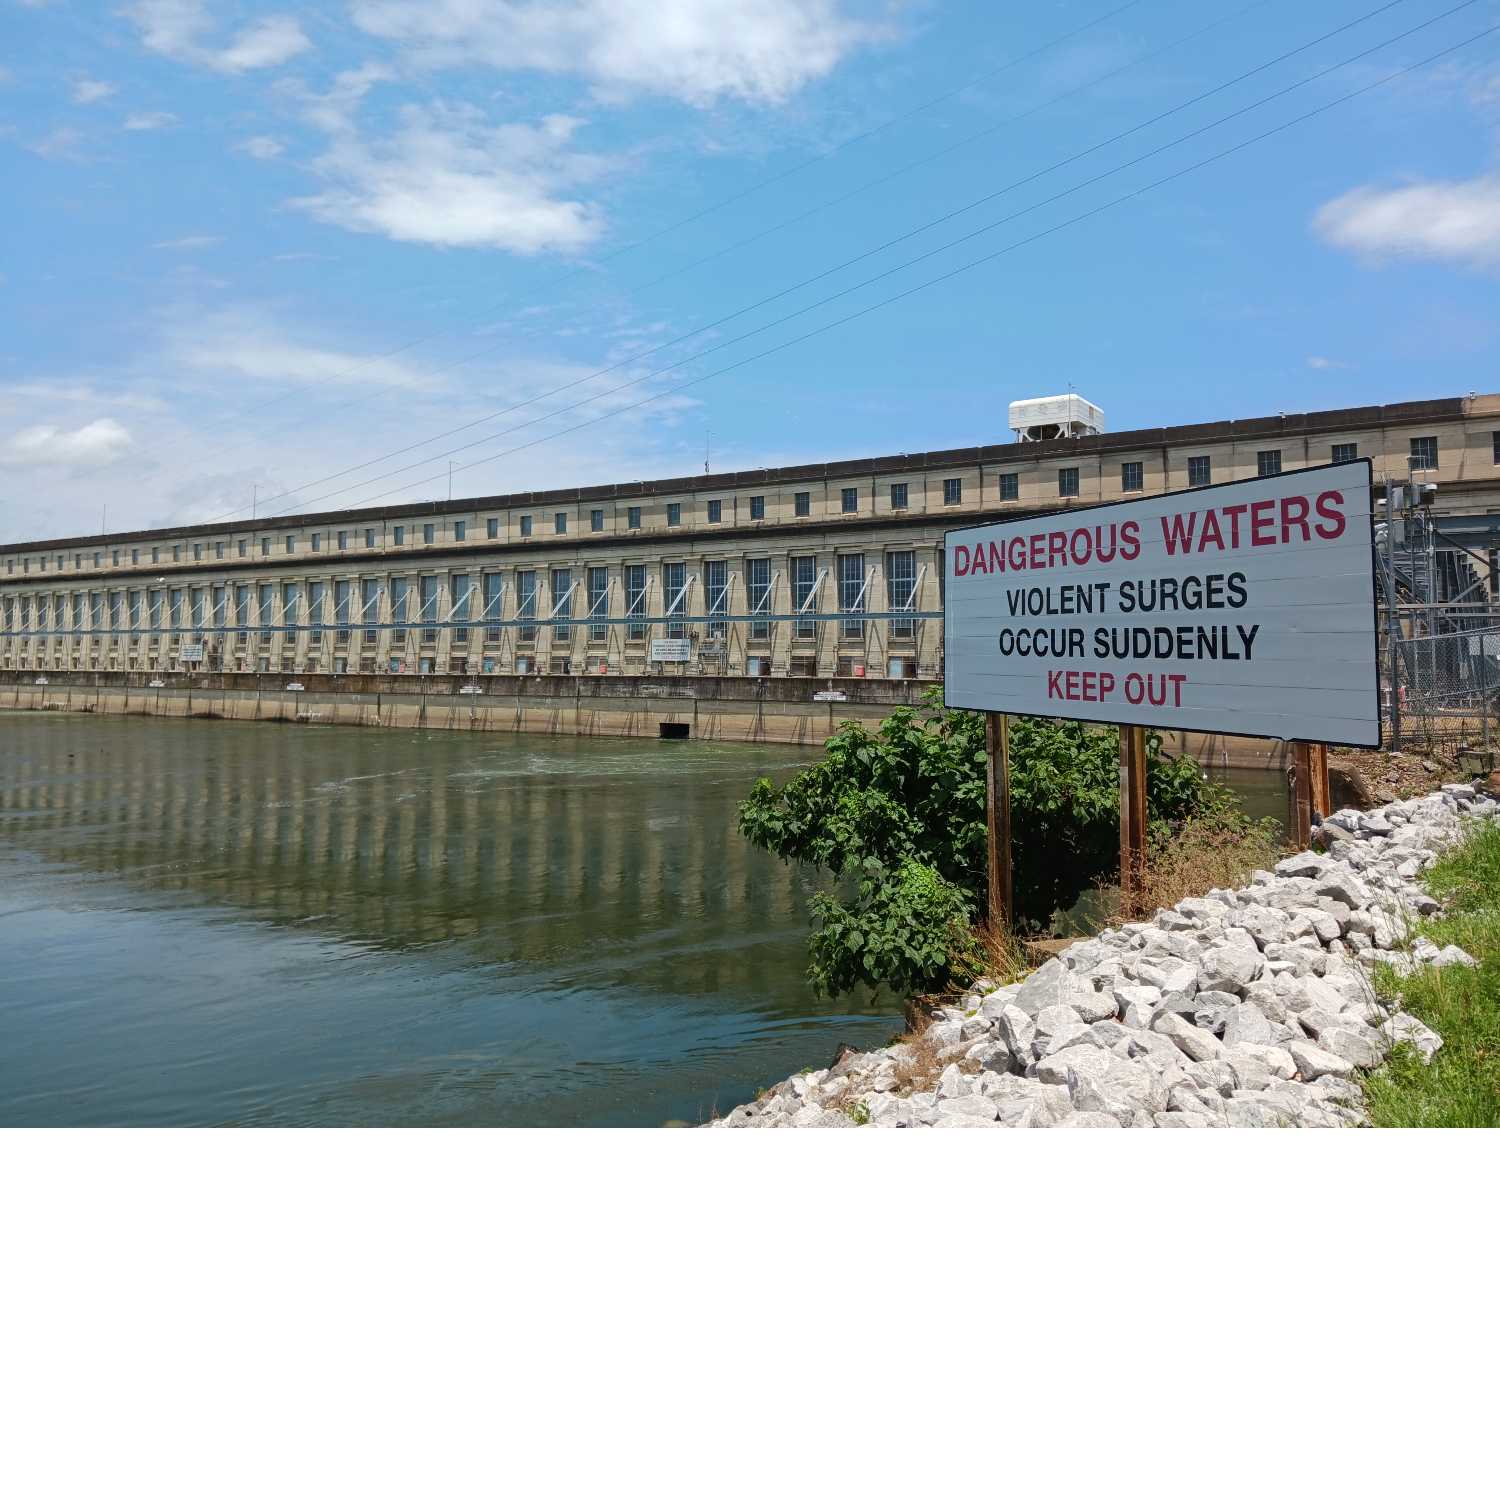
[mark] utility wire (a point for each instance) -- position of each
(734, 245)
(981, 260)
(666, 229)
(858, 286)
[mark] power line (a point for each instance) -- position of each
(979, 261)
(671, 228)
(726, 250)
(903, 265)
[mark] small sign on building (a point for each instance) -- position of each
(671, 650)
(191, 653)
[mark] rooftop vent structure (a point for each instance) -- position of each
(1046, 418)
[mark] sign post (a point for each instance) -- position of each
(1132, 815)
(997, 818)
(1244, 608)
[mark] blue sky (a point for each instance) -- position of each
(250, 247)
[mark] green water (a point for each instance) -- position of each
(260, 924)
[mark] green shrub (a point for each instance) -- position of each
(900, 813)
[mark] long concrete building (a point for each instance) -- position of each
(821, 570)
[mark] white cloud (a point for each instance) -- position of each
(261, 147)
(73, 393)
(151, 119)
(696, 50)
(1322, 362)
(448, 177)
(1442, 221)
(60, 145)
(91, 91)
(246, 343)
(190, 242)
(177, 28)
(98, 442)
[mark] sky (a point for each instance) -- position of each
(299, 258)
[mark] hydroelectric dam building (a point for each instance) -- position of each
(708, 588)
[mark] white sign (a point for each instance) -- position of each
(671, 650)
(190, 653)
(1244, 608)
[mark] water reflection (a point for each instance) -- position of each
(341, 925)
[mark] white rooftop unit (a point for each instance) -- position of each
(1044, 418)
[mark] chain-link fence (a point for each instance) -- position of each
(1439, 640)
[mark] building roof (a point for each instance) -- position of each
(1284, 425)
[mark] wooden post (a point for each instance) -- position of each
(1322, 795)
(1301, 793)
(997, 818)
(1132, 815)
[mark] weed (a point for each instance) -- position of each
(858, 1111)
(1460, 1087)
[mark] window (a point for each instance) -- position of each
(427, 607)
(1199, 471)
(802, 503)
(241, 547)
(1345, 453)
(562, 604)
(428, 533)
(715, 512)
(898, 497)
(135, 556)
(758, 590)
(265, 546)
(114, 558)
(560, 522)
(633, 518)
(460, 530)
(1067, 483)
(176, 554)
(155, 555)
(197, 552)
(674, 592)
(1268, 462)
(399, 592)
(635, 600)
(98, 557)
(596, 519)
(953, 491)
(1495, 438)
(1010, 486)
(494, 595)
(525, 525)
(492, 528)
(848, 502)
(804, 580)
(716, 596)
(598, 597)
(1132, 476)
(369, 609)
(758, 502)
(851, 595)
(343, 541)
(399, 535)
(291, 544)
(1424, 453)
(317, 541)
(369, 536)
(674, 514)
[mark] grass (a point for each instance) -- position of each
(1207, 854)
(1460, 1088)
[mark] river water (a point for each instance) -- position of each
(261, 924)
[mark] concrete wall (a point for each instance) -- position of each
(770, 710)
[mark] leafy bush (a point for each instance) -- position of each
(900, 812)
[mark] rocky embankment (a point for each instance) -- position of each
(1251, 1007)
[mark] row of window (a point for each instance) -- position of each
(267, 604)
(1423, 456)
